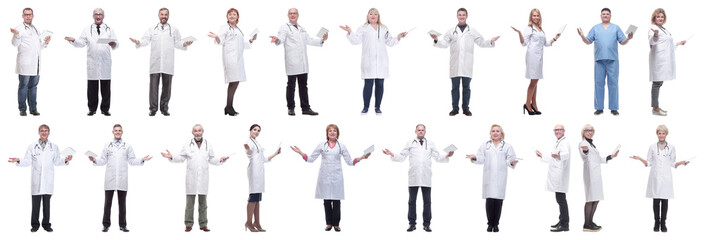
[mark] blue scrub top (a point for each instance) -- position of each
(606, 41)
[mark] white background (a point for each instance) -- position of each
(417, 92)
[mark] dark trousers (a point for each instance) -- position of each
(122, 204)
(466, 92)
(412, 196)
(46, 207)
(378, 84)
(332, 212)
(493, 211)
(660, 216)
(302, 91)
(564, 212)
(154, 103)
(93, 95)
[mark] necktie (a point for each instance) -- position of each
(421, 142)
(295, 25)
(98, 28)
(162, 27)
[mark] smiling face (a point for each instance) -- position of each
(660, 19)
(461, 18)
(535, 18)
(373, 16)
(293, 15)
(117, 132)
(559, 131)
(163, 16)
(332, 132)
(197, 132)
(27, 16)
(497, 134)
(589, 133)
(662, 135)
(605, 16)
(233, 17)
(254, 133)
(43, 133)
(98, 16)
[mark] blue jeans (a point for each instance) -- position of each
(27, 92)
(378, 93)
(603, 70)
(466, 92)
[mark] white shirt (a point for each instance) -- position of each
(295, 40)
(461, 45)
(197, 175)
(662, 55)
(99, 59)
(164, 39)
(117, 157)
(536, 41)
(233, 44)
(331, 184)
(420, 172)
(42, 162)
(375, 60)
(496, 160)
(661, 163)
(593, 188)
(559, 169)
(255, 169)
(29, 47)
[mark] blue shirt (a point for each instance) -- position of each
(606, 41)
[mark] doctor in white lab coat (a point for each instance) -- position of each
(593, 188)
(116, 155)
(661, 159)
(419, 152)
(99, 60)
(295, 40)
(558, 180)
(461, 40)
(42, 156)
(198, 153)
(164, 38)
(661, 57)
(27, 38)
(233, 42)
(374, 37)
(331, 184)
(496, 155)
(256, 177)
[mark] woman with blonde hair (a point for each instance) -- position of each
(661, 57)
(593, 187)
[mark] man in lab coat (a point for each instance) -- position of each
(116, 155)
(28, 40)
(461, 40)
(43, 156)
(99, 60)
(199, 153)
(164, 38)
(559, 176)
(295, 39)
(419, 151)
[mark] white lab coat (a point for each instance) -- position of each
(593, 188)
(255, 169)
(420, 172)
(116, 158)
(42, 162)
(29, 49)
(559, 168)
(462, 49)
(375, 59)
(233, 43)
(661, 163)
(536, 41)
(496, 161)
(331, 184)
(662, 55)
(197, 175)
(163, 41)
(99, 59)
(295, 42)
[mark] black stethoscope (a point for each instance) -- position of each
(238, 29)
(169, 25)
(558, 142)
(300, 28)
(337, 144)
(255, 143)
(26, 27)
(107, 28)
(501, 146)
(424, 140)
(193, 142)
(456, 27)
(667, 152)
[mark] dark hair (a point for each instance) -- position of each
(255, 125)
(162, 9)
(606, 9)
(44, 126)
(27, 9)
(116, 125)
(462, 10)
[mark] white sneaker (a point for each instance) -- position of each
(660, 113)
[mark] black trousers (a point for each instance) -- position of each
(564, 212)
(122, 204)
(332, 212)
(93, 95)
(46, 207)
(493, 211)
(302, 91)
(660, 215)
(154, 103)
(412, 196)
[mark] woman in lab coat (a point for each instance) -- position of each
(496, 156)
(534, 37)
(662, 57)
(255, 175)
(331, 185)
(233, 43)
(593, 189)
(661, 157)
(374, 37)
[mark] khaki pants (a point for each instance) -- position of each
(202, 210)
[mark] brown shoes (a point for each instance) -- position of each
(205, 229)
(189, 228)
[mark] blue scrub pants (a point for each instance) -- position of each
(602, 70)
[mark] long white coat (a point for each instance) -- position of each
(295, 42)
(593, 188)
(420, 172)
(255, 169)
(233, 43)
(375, 59)
(559, 168)
(197, 175)
(331, 184)
(99, 58)
(163, 41)
(117, 158)
(661, 163)
(536, 41)
(662, 55)
(462, 49)
(496, 161)
(42, 162)
(29, 49)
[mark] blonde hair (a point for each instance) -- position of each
(584, 129)
(378, 19)
(333, 126)
(662, 128)
(500, 129)
(655, 14)
(530, 19)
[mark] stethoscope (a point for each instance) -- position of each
(501, 146)
(169, 25)
(456, 27)
(254, 141)
(193, 142)
(238, 29)
(337, 144)
(107, 28)
(38, 147)
(424, 140)
(378, 31)
(667, 150)
(300, 28)
(26, 27)
(558, 142)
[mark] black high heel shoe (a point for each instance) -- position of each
(230, 111)
(535, 110)
(526, 109)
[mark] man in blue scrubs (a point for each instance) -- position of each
(605, 36)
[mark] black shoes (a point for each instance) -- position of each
(411, 228)
(598, 112)
(656, 228)
(535, 110)
(454, 112)
(230, 111)
(663, 228)
(49, 229)
(23, 113)
(337, 229)
(614, 112)
(427, 229)
(35, 113)
(492, 229)
(105, 229)
(152, 113)
(328, 228)
(293, 113)
(166, 113)
(33, 229)
(525, 108)
(91, 113)
(124, 229)
(312, 113)
(106, 113)
(561, 228)
(591, 227)
(466, 112)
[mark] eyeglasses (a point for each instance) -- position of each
(28, 15)
(98, 14)
(558, 129)
(589, 130)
